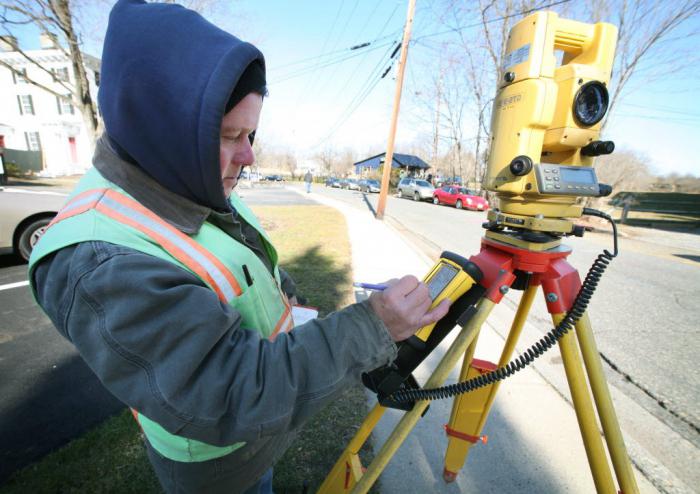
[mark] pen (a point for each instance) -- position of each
(371, 286)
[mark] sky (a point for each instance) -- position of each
(324, 95)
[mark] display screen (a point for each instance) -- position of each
(441, 279)
(578, 175)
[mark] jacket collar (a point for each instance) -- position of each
(185, 215)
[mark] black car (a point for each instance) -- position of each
(332, 182)
(274, 178)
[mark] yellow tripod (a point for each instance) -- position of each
(506, 261)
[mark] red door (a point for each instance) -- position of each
(73, 150)
(451, 196)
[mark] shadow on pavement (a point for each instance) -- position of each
(59, 405)
(369, 205)
(688, 257)
(11, 260)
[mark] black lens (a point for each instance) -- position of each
(591, 103)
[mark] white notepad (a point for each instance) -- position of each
(302, 314)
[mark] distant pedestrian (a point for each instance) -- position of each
(308, 178)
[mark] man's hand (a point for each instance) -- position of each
(403, 307)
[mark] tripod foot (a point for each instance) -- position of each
(448, 476)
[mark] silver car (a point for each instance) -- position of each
(415, 188)
(24, 216)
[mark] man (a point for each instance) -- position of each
(167, 285)
(308, 178)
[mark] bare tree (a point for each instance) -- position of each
(56, 19)
(646, 29)
(289, 162)
(327, 157)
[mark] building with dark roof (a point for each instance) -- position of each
(412, 164)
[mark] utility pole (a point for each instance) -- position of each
(389, 158)
(437, 118)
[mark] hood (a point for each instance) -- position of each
(167, 74)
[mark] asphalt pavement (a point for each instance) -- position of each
(49, 395)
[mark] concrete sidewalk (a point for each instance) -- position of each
(534, 441)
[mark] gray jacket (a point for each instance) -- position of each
(161, 342)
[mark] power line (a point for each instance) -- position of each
(371, 82)
(307, 70)
(357, 46)
(357, 67)
(496, 19)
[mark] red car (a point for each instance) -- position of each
(459, 197)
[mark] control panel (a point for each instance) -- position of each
(567, 180)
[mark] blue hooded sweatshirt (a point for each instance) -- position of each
(167, 74)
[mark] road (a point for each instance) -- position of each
(643, 312)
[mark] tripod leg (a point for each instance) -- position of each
(470, 411)
(585, 414)
(348, 469)
(409, 420)
(606, 411)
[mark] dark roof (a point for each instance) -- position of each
(398, 161)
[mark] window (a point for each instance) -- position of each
(21, 77)
(65, 107)
(60, 74)
(26, 105)
(33, 141)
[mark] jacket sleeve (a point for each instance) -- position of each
(164, 344)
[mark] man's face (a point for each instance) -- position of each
(235, 148)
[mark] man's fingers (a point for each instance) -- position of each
(436, 314)
(419, 296)
(405, 285)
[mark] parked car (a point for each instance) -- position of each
(24, 216)
(459, 197)
(332, 182)
(369, 185)
(343, 183)
(274, 178)
(349, 183)
(252, 176)
(415, 188)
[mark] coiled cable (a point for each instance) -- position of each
(578, 308)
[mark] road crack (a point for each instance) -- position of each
(651, 395)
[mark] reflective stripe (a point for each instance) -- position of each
(129, 212)
(79, 204)
(285, 323)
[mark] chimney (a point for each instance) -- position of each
(8, 43)
(48, 41)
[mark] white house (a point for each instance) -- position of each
(33, 119)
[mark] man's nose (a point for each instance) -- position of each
(246, 155)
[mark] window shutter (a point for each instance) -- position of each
(58, 105)
(19, 101)
(26, 138)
